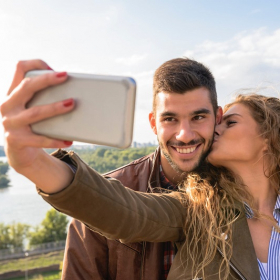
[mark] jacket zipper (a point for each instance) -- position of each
(233, 267)
(142, 260)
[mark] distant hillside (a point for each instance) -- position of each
(106, 159)
(2, 153)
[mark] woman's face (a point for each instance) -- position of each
(237, 140)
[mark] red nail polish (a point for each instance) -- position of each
(68, 102)
(61, 74)
(68, 143)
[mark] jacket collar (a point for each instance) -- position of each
(244, 258)
(154, 180)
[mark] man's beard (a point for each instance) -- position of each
(200, 160)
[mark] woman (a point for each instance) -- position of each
(225, 223)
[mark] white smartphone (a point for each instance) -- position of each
(103, 113)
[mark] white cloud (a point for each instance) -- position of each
(247, 60)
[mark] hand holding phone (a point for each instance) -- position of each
(23, 148)
(103, 114)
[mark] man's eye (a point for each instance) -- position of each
(199, 117)
(170, 119)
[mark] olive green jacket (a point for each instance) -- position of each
(107, 207)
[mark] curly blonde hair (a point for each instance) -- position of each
(215, 198)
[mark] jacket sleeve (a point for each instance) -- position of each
(106, 206)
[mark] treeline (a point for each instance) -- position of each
(17, 235)
(2, 152)
(107, 159)
(104, 159)
(4, 180)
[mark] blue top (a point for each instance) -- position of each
(272, 271)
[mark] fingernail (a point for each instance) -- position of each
(49, 68)
(68, 102)
(68, 143)
(61, 74)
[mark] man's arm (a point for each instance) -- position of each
(106, 206)
(23, 147)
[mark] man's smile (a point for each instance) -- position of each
(186, 150)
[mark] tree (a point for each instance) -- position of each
(18, 233)
(13, 236)
(5, 239)
(53, 228)
(106, 159)
(4, 167)
(4, 181)
(100, 152)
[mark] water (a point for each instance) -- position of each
(20, 202)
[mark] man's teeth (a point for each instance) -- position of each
(185, 151)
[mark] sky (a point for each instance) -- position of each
(238, 40)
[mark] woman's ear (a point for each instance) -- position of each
(265, 145)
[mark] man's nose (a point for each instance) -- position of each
(185, 133)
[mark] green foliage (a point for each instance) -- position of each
(106, 159)
(2, 152)
(4, 167)
(52, 228)
(18, 233)
(4, 181)
(13, 236)
(5, 238)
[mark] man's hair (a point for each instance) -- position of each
(183, 74)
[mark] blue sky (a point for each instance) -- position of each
(238, 40)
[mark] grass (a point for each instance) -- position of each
(52, 275)
(32, 262)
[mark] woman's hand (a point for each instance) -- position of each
(23, 147)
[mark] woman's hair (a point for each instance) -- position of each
(215, 198)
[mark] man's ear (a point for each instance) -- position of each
(219, 115)
(152, 121)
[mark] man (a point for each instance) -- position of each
(184, 123)
(183, 118)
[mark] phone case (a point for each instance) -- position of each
(103, 114)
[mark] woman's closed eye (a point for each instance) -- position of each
(230, 122)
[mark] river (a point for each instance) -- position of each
(20, 202)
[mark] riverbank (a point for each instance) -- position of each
(20, 202)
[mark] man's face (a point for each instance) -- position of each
(184, 125)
